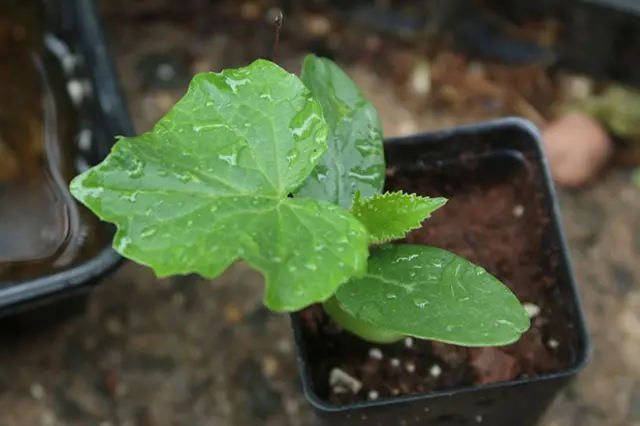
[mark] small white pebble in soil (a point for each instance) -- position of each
(84, 139)
(37, 391)
(395, 391)
(395, 362)
(421, 78)
(518, 210)
(375, 353)
(410, 367)
(270, 366)
(408, 342)
(532, 310)
(407, 127)
(340, 390)
(553, 343)
(283, 346)
(373, 395)
(318, 25)
(338, 377)
(435, 370)
(77, 90)
(165, 72)
(478, 418)
(48, 419)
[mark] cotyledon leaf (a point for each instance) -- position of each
(209, 185)
(354, 160)
(391, 215)
(433, 294)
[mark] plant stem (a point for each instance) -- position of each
(358, 327)
(277, 21)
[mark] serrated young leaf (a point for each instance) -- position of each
(354, 160)
(391, 215)
(209, 185)
(433, 294)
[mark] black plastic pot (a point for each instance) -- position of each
(599, 38)
(77, 23)
(499, 149)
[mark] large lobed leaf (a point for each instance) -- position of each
(391, 215)
(354, 160)
(433, 294)
(209, 185)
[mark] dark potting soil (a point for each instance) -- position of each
(496, 223)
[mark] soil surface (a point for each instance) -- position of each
(495, 220)
(192, 352)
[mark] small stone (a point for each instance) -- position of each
(478, 418)
(37, 391)
(85, 136)
(78, 90)
(249, 11)
(318, 25)
(532, 309)
(178, 300)
(410, 367)
(270, 366)
(395, 391)
(395, 362)
(164, 101)
(518, 210)
(407, 127)
(338, 377)
(232, 314)
(576, 86)
(435, 370)
(283, 346)
(553, 343)
(622, 278)
(373, 395)
(114, 326)
(338, 390)
(408, 342)
(577, 147)
(376, 353)
(48, 418)
(165, 72)
(493, 365)
(421, 78)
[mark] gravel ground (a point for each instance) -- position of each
(185, 351)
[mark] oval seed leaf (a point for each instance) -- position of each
(433, 294)
(354, 160)
(209, 185)
(391, 215)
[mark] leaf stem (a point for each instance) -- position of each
(277, 21)
(358, 327)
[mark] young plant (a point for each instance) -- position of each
(287, 174)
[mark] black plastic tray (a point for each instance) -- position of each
(498, 146)
(598, 38)
(78, 24)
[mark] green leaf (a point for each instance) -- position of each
(355, 158)
(433, 294)
(391, 215)
(209, 185)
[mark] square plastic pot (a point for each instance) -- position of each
(77, 24)
(499, 148)
(599, 38)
